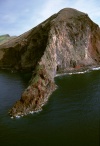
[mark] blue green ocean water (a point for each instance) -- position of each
(71, 116)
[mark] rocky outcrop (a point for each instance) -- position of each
(68, 40)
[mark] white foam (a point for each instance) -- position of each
(72, 73)
(80, 72)
(17, 116)
(96, 68)
(57, 75)
(69, 73)
(31, 112)
(37, 111)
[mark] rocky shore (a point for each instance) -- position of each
(67, 41)
(36, 95)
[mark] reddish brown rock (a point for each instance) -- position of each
(67, 40)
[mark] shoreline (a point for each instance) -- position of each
(79, 71)
(37, 110)
(45, 99)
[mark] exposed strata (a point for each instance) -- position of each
(67, 40)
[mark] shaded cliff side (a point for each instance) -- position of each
(66, 41)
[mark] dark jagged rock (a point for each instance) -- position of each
(68, 40)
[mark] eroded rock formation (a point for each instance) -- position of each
(66, 41)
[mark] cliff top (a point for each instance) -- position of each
(63, 15)
(68, 13)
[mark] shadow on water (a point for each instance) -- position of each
(70, 118)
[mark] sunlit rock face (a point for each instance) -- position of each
(75, 39)
(66, 41)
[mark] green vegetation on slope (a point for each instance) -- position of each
(5, 38)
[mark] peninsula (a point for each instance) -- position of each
(66, 41)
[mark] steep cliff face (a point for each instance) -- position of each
(67, 40)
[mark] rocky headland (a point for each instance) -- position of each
(67, 41)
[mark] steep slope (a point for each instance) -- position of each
(66, 41)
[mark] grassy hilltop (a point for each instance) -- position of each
(5, 38)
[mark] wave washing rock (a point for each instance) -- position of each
(68, 40)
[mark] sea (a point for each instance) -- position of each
(71, 117)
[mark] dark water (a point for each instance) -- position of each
(70, 118)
